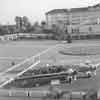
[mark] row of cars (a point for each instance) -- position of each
(54, 75)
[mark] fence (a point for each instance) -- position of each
(25, 36)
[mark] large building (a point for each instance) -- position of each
(89, 17)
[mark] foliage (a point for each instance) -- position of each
(58, 32)
(23, 24)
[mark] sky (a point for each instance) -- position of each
(35, 9)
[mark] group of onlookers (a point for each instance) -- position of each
(47, 70)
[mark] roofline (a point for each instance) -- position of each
(71, 10)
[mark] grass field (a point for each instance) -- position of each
(57, 58)
(20, 50)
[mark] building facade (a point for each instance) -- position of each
(85, 17)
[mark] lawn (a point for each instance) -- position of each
(55, 57)
(18, 51)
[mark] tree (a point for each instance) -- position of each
(69, 38)
(57, 32)
(18, 21)
(25, 20)
(43, 23)
(11, 30)
(26, 25)
(90, 29)
(44, 27)
(1, 30)
(36, 24)
(54, 30)
(37, 27)
(23, 24)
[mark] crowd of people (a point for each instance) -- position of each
(47, 70)
(31, 82)
(74, 74)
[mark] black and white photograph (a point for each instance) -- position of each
(49, 49)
